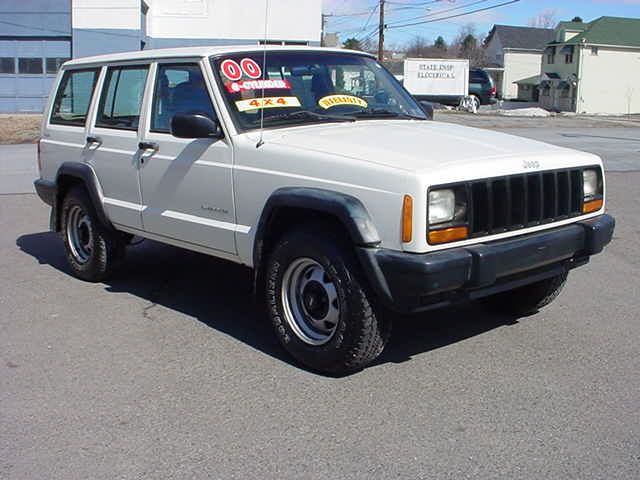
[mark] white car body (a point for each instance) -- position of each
(214, 203)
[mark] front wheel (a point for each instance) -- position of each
(529, 298)
(319, 305)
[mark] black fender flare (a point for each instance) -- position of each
(86, 175)
(348, 210)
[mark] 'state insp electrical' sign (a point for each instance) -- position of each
(436, 77)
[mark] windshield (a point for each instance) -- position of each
(310, 87)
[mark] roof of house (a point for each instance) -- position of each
(611, 31)
(535, 80)
(579, 26)
(525, 38)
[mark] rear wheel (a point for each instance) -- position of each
(319, 305)
(92, 251)
(527, 299)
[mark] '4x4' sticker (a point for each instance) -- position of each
(267, 102)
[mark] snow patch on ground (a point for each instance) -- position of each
(523, 112)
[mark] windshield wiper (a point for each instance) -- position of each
(308, 115)
(383, 113)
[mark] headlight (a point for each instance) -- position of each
(591, 183)
(442, 206)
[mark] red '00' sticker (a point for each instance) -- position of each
(250, 68)
(231, 70)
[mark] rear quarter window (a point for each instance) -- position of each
(73, 97)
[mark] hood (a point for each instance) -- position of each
(424, 145)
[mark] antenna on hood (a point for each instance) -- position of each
(264, 72)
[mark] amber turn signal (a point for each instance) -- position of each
(407, 219)
(448, 235)
(592, 206)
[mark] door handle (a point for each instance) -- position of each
(149, 146)
(91, 139)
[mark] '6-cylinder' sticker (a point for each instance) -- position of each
(267, 102)
(233, 71)
(242, 85)
(335, 100)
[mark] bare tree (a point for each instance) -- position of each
(545, 19)
(468, 44)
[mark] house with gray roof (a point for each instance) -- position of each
(593, 67)
(514, 53)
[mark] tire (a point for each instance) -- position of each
(318, 302)
(527, 299)
(92, 250)
(476, 102)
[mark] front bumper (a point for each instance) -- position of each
(409, 282)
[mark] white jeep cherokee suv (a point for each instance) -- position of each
(318, 170)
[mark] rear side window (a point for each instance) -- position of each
(121, 97)
(179, 88)
(73, 97)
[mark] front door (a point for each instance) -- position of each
(186, 183)
(112, 143)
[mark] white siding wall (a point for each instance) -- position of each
(610, 81)
(297, 20)
(518, 65)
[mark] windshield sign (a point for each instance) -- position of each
(310, 87)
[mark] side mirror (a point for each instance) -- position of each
(195, 125)
(427, 108)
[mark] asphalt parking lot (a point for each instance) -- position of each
(169, 370)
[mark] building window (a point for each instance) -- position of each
(594, 50)
(7, 65)
(551, 55)
(568, 53)
(31, 66)
(72, 100)
(122, 97)
(54, 64)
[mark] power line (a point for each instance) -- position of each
(440, 12)
(455, 16)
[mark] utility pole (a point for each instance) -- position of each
(324, 25)
(381, 32)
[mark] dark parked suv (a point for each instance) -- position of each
(481, 87)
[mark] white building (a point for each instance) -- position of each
(514, 53)
(593, 67)
(37, 35)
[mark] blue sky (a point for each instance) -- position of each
(516, 14)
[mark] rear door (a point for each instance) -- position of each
(112, 142)
(186, 183)
(64, 136)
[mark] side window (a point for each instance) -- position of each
(179, 88)
(73, 97)
(121, 97)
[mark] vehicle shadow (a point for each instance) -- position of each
(219, 294)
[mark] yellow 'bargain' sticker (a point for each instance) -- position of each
(267, 102)
(334, 100)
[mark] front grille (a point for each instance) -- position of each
(502, 204)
